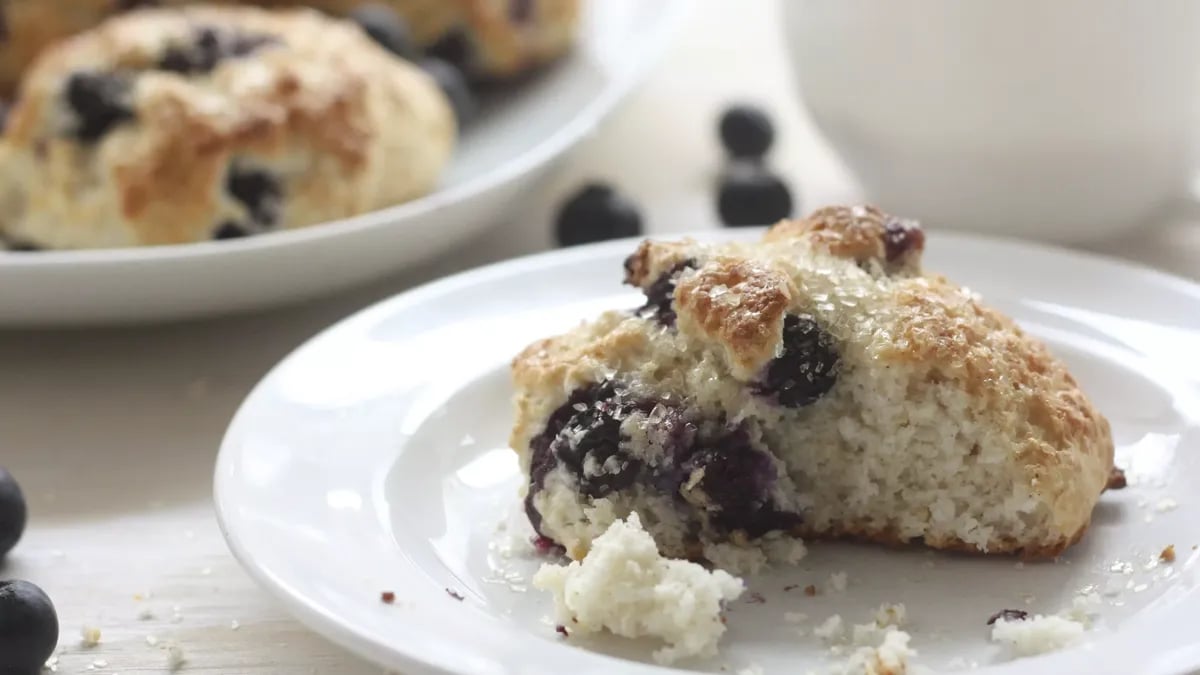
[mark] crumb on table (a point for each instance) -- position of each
(1168, 554)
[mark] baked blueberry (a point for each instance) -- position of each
(660, 296)
(733, 480)
(210, 46)
(229, 230)
(99, 101)
(596, 213)
(746, 132)
(751, 195)
(900, 237)
(387, 28)
(260, 191)
(520, 11)
(454, 48)
(454, 84)
(28, 628)
(807, 368)
(13, 512)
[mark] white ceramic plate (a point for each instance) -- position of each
(506, 152)
(374, 458)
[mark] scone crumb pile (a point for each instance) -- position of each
(1037, 635)
(625, 587)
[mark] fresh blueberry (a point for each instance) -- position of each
(660, 296)
(746, 132)
(900, 237)
(12, 512)
(750, 195)
(99, 103)
(386, 27)
(229, 230)
(736, 479)
(456, 88)
(808, 367)
(28, 628)
(259, 190)
(596, 213)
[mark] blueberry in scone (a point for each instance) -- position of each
(817, 383)
(166, 126)
(486, 39)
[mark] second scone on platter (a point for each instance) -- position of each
(168, 126)
(818, 383)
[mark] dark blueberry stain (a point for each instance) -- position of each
(520, 11)
(1008, 615)
(99, 101)
(808, 367)
(736, 477)
(901, 237)
(260, 191)
(454, 48)
(721, 471)
(229, 230)
(210, 46)
(660, 296)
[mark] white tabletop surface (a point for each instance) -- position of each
(113, 432)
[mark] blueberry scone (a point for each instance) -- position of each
(815, 384)
(491, 38)
(173, 126)
(488, 39)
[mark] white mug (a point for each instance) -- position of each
(1064, 120)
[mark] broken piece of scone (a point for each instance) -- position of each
(816, 383)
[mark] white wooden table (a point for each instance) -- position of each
(113, 432)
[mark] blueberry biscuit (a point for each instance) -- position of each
(490, 39)
(173, 126)
(814, 384)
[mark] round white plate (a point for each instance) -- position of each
(505, 153)
(374, 459)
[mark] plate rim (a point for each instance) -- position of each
(565, 137)
(1165, 660)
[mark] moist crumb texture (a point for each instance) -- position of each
(625, 587)
(818, 383)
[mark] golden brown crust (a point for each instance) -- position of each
(858, 233)
(998, 546)
(739, 305)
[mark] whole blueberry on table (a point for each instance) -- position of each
(386, 27)
(751, 195)
(12, 512)
(746, 132)
(28, 628)
(596, 213)
(454, 84)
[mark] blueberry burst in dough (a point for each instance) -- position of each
(168, 126)
(815, 384)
